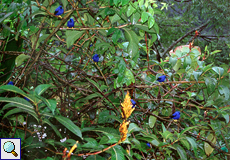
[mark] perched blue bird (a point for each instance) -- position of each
(148, 144)
(59, 11)
(96, 58)
(70, 23)
(26, 99)
(91, 45)
(133, 103)
(176, 115)
(161, 78)
(10, 83)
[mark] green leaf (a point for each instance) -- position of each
(13, 111)
(52, 104)
(151, 22)
(91, 143)
(72, 36)
(115, 18)
(218, 70)
(207, 148)
(152, 119)
(177, 65)
(130, 10)
(180, 151)
(116, 35)
(144, 17)
(226, 116)
(45, 120)
(133, 42)
(19, 103)
(14, 89)
(116, 2)
(93, 82)
(187, 129)
(211, 84)
(145, 28)
(124, 2)
(42, 88)
(216, 51)
(20, 59)
(66, 122)
(196, 75)
(133, 127)
(117, 153)
(193, 144)
(129, 78)
(5, 16)
(224, 90)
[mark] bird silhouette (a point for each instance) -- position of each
(96, 58)
(176, 115)
(161, 78)
(59, 11)
(70, 23)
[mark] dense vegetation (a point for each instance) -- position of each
(58, 99)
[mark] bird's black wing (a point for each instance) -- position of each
(55, 12)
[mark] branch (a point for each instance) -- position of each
(181, 38)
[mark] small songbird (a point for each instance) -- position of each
(133, 103)
(148, 144)
(161, 78)
(70, 23)
(96, 58)
(59, 11)
(26, 99)
(10, 83)
(176, 115)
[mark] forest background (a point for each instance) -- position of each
(63, 105)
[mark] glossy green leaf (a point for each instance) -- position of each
(133, 127)
(117, 153)
(151, 22)
(180, 151)
(218, 70)
(42, 88)
(133, 46)
(129, 77)
(91, 143)
(72, 36)
(152, 119)
(193, 144)
(5, 16)
(211, 84)
(130, 10)
(144, 17)
(187, 129)
(145, 28)
(66, 122)
(177, 65)
(124, 2)
(14, 89)
(224, 90)
(20, 59)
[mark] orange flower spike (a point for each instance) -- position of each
(72, 149)
(127, 108)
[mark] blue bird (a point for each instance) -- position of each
(59, 11)
(161, 78)
(148, 144)
(91, 45)
(176, 115)
(96, 58)
(26, 99)
(133, 103)
(10, 83)
(70, 23)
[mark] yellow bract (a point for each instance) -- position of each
(127, 107)
(126, 112)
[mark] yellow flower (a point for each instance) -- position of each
(127, 108)
(124, 130)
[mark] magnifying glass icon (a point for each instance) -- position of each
(9, 147)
